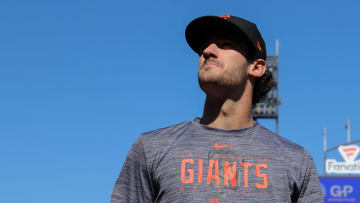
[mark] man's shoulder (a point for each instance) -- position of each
(279, 142)
(167, 132)
(157, 143)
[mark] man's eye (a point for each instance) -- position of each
(226, 45)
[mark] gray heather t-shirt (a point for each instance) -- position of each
(191, 162)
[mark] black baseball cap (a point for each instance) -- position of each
(199, 29)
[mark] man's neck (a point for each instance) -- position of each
(228, 114)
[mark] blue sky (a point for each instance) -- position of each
(81, 80)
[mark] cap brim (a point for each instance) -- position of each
(201, 28)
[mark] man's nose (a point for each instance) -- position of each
(211, 51)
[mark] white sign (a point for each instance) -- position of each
(350, 166)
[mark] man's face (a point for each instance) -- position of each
(222, 63)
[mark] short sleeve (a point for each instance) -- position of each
(310, 189)
(133, 183)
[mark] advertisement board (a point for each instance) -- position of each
(349, 165)
(340, 189)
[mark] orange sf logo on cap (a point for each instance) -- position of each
(258, 45)
(225, 16)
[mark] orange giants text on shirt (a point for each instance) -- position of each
(228, 173)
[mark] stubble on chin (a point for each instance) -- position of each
(206, 72)
(226, 77)
(221, 85)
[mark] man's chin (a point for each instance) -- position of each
(209, 77)
(208, 81)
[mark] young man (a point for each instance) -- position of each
(224, 156)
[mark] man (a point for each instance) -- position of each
(224, 156)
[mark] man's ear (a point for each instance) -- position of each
(257, 68)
